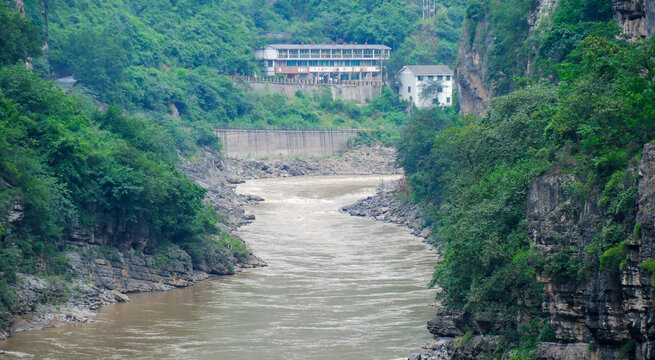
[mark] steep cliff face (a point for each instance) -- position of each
(607, 313)
(636, 17)
(607, 307)
(470, 71)
(474, 90)
(477, 46)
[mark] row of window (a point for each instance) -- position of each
(430, 77)
(344, 52)
(327, 63)
(409, 90)
(439, 90)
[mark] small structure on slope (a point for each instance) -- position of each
(426, 85)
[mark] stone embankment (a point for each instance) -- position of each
(390, 204)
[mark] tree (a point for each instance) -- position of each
(429, 91)
(18, 38)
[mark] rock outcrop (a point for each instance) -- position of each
(608, 313)
(386, 206)
(543, 8)
(474, 90)
(636, 17)
(471, 70)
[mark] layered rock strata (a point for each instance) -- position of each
(607, 314)
(636, 17)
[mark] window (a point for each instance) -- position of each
(420, 78)
(292, 63)
(331, 63)
(346, 63)
(270, 63)
(355, 63)
(440, 77)
(409, 89)
(448, 78)
(448, 100)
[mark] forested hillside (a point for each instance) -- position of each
(63, 170)
(154, 58)
(575, 113)
(519, 41)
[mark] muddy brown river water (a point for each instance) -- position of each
(337, 287)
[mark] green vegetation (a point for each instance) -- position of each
(62, 165)
(163, 69)
(515, 52)
(174, 57)
(471, 175)
(18, 39)
(649, 265)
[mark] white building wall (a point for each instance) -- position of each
(409, 81)
(407, 85)
(269, 56)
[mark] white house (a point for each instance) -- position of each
(426, 85)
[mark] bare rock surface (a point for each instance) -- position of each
(592, 318)
(386, 206)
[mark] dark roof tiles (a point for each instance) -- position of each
(429, 69)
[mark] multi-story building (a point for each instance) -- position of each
(324, 62)
(426, 85)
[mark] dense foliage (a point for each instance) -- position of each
(515, 51)
(176, 56)
(62, 167)
(18, 39)
(472, 174)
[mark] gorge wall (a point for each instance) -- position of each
(472, 74)
(608, 313)
(636, 17)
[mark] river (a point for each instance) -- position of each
(337, 287)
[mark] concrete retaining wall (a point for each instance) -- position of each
(358, 93)
(284, 143)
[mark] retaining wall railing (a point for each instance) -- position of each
(278, 80)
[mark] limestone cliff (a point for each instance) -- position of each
(474, 90)
(471, 70)
(636, 17)
(607, 308)
(472, 73)
(606, 313)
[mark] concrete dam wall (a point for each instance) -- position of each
(288, 144)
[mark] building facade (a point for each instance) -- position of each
(324, 62)
(426, 85)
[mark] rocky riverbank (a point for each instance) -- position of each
(362, 160)
(387, 206)
(607, 314)
(99, 273)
